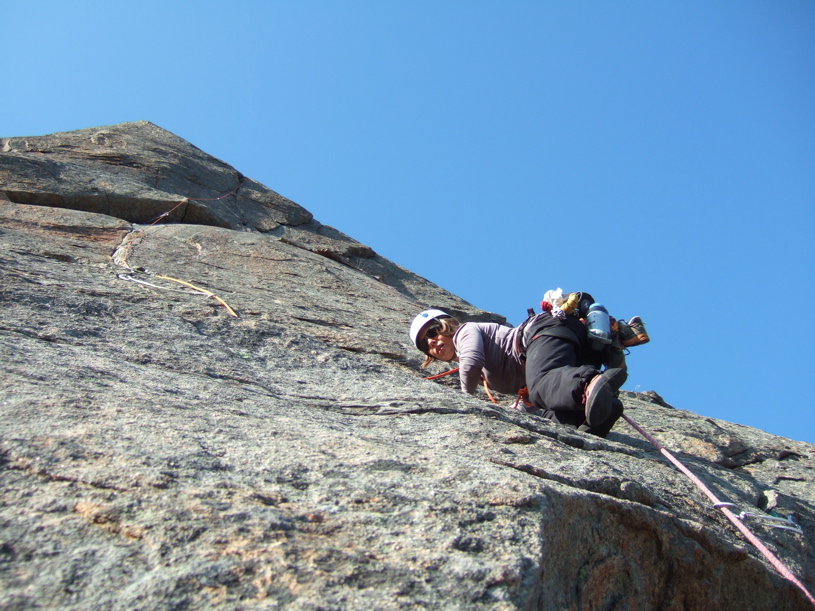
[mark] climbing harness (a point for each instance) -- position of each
(737, 520)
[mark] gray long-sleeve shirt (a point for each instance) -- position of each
(488, 348)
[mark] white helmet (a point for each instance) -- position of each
(423, 319)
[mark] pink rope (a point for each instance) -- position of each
(779, 566)
(191, 199)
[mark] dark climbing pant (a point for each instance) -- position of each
(555, 380)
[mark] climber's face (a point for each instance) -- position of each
(439, 346)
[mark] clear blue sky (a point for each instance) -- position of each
(660, 155)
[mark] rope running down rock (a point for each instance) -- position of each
(772, 558)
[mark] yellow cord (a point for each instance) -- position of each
(204, 291)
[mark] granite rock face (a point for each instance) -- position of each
(157, 451)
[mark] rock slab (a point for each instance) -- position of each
(158, 452)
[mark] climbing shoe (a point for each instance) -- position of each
(598, 400)
(600, 392)
(632, 333)
(603, 429)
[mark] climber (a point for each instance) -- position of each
(552, 355)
